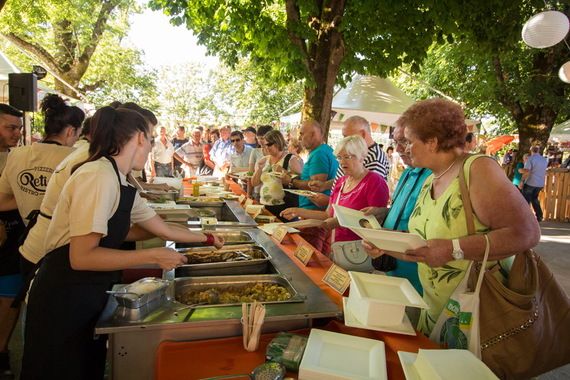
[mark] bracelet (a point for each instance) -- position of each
(209, 239)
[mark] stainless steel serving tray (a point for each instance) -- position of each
(230, 237)
(254, 266)
(223, 282)
(131, 301)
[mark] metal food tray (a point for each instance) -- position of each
(219, 203)
(230, 237)
(224, 268)
(130, 300)
(222, 282)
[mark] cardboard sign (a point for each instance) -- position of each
(248, 202)
(208, 220)
(241, 198)
(337, 278)
(304, 253)
(279, 233)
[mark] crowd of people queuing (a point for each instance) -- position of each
(410, 186)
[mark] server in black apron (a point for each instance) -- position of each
(68, 292)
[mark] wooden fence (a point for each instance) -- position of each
(555, 197)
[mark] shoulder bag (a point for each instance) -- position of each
(524, 325)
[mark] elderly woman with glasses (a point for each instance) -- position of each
(357, 189)
(268, 172)
(434, 133)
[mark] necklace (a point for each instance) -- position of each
(351, 182)
(446, 170)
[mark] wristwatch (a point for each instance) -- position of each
(457, 253)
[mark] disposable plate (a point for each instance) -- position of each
(387, 240)
(335, 356)
(303, 193)
(269, 228)
(385, 289)
(350, 320)
(444, 364)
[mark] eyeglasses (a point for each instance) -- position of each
(404, 143)
(235, 140)
(346, 158)
(269, 144)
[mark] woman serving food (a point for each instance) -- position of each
(92, 218)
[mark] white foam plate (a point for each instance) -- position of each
(270, 228)
(335, 356)
(452, 364)
(407, 360)
(405, 328)
(303, 193)
(385, 289)
(387, 240)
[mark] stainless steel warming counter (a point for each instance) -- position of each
(133, 343)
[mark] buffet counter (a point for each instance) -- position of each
(174, 342)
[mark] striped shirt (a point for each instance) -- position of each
(375, 161)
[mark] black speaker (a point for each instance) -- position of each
(23, 91)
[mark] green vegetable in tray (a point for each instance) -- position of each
(287, 349)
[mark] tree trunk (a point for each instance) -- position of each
(534, 129)
(323, 58)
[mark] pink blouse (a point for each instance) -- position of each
(372, 190)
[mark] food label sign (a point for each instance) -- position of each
(337, 278)
(241, 198)
(279, 233)
(304, 253)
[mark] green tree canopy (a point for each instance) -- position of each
(80, 41)
(315, 41)
(491, 71)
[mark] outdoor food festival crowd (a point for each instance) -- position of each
(71, 204)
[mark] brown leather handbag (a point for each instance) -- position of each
(524, 325)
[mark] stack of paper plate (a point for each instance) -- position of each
(378, 302)
(335, 356)
(444, 365)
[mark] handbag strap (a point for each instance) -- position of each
(483, 266)
(466, 198)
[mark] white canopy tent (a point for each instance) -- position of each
(561, 132)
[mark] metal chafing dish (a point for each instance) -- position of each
(230, 260)
(141, 292)
(230, 237)
(221, 283)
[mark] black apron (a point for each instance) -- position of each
(64, 305)
(9, 255)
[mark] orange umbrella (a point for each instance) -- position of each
(497, 143)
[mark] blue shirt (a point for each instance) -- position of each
(321, 160)
(536, 165)
(403, 203)
(221, 151)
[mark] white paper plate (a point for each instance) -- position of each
(270, 228)
(390, 240)
(452, 364)
(303, 193)
(335, 356)
(385, 289)
(350, 218)
(407, 360)
(350, 320)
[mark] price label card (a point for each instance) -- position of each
(207, 220)
(304, 253)
(241, 198)
(337, 278)
(279, 233)
(248, 202)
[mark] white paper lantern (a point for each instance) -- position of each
(545, 29)
(564, 72)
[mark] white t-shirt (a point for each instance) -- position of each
(27, 173)
(88, 200)
(162, 153)
(240, 160)
(33, 247)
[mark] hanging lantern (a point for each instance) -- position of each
(564, 72)
(545, 29)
